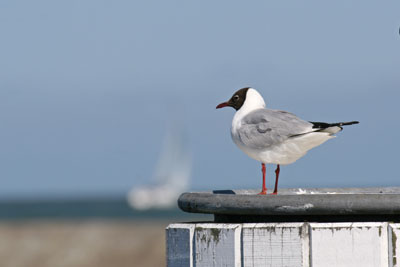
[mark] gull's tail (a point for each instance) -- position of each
(331, 128)
(324, 125)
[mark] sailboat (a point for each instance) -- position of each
(171, 177)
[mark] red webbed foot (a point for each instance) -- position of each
(263, 192)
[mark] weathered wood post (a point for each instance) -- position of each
(298, 227)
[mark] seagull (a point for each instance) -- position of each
(274, 136)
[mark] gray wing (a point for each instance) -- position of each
(263, 128)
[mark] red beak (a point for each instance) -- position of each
(222, 105)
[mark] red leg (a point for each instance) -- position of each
(264, 188)
(276, 180)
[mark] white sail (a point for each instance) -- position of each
(171, 176)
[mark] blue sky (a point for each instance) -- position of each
(87, 89)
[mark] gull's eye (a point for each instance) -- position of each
(235, 98)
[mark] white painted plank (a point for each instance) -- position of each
(179, 239)
(275, 244)
(217, 245)
(349, 244)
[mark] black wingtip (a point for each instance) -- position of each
(349, 123)
(323, 125)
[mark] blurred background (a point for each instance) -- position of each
(107, 113)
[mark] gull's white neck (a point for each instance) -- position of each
(253, 101)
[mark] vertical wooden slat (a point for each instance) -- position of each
(394, 244)
(306, 245)
(179, 245)
(217, 245)
(349, 244)
(275, 244)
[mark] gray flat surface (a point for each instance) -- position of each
(295, 202)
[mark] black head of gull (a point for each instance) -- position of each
(237, 100)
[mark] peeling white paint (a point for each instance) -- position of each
(306, 206)
(274, 244)
(349, 244)
(301, 192)
(304, 192)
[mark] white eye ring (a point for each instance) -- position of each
(236, 97)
